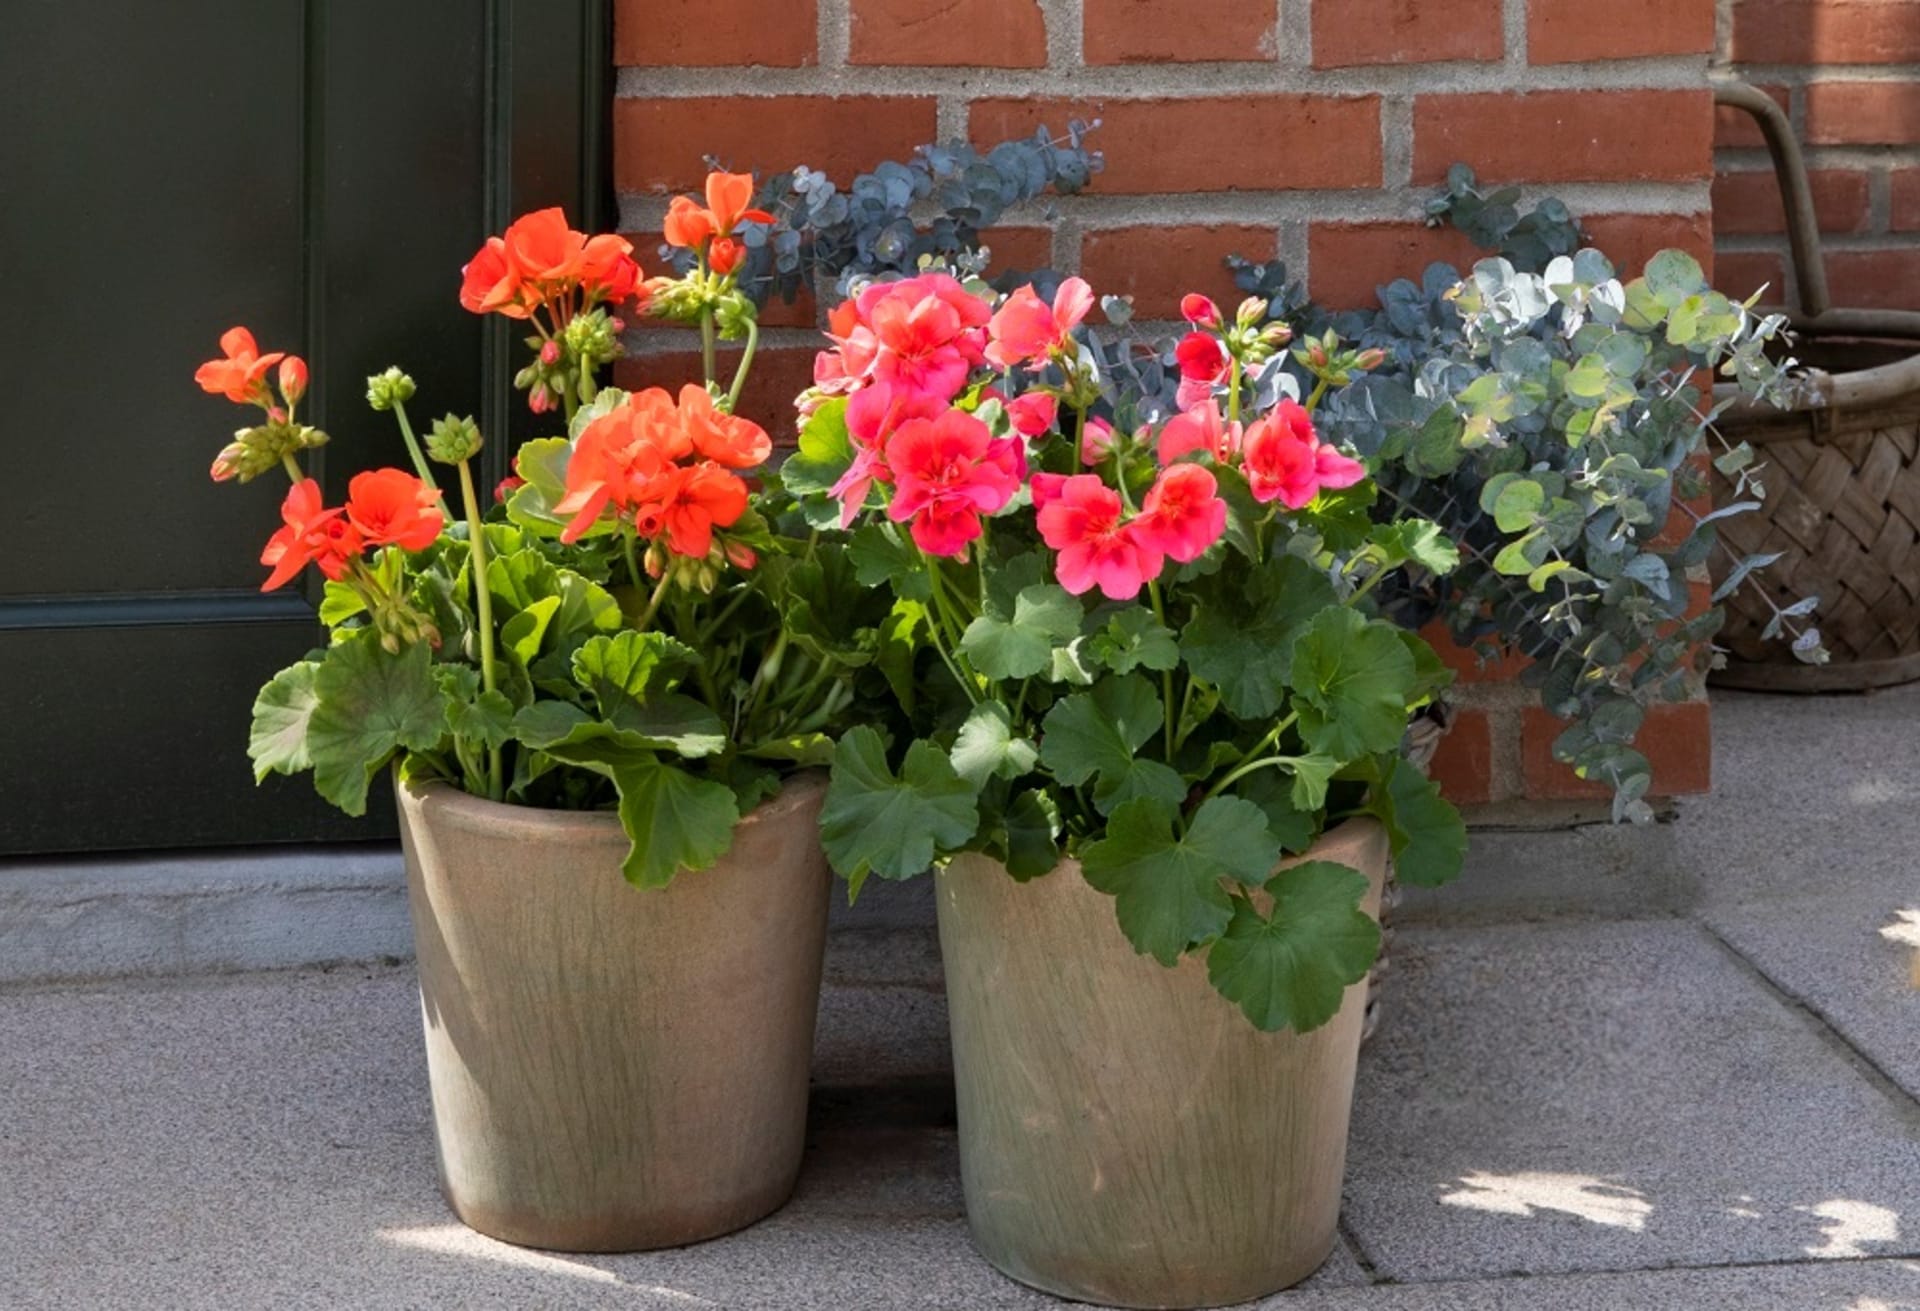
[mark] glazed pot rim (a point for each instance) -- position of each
(449, 804)
(1354, 830)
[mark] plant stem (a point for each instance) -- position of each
(1247, 762)
(483, 608)
(633, 560)
(413, 447)
(1166, 675)
(941, 615)
(659, 595)
(292, 466)
(746, 364)
(1233, 391)
(706, 344)
(1313, 398)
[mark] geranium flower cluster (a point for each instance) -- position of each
(384, 507)
(663, 471)
(950, 398)
(240, 374)
(540, 262)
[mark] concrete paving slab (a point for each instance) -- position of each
(1851, 958)
(1827, 1286)
(264, 1141)
(1560, 1098)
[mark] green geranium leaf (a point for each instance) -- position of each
(1098, 735)
(1033, 832)
(876, 823)
(1416, 541)
(1429, 838)
(1292, 969)
(1293, 826)
(278, 742)
(1167, 890)
(627, 667)
(521, 636)
(543, 463)
(368, 704)
(340, 603)
(675, 821)
(1134, 639)
(879, 556)
(667, 722)
(1352, 678)
(1020, 643)
(825, 452)
(1245, 653)
(987, 747)
(487, 719)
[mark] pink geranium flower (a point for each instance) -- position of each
(1027, 328)
(928, 334)
(1082, 521)
(1182, 513)
(1286, 461)
(947, 473)
(1202, 428)
(872, 415)
(1032, 413)
(1203, 363)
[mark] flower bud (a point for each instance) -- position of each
(275, 414)
(1251, 311)
(550, 352)
(725, 255)
(293, 379)
(539, 400)
(227, 464)
(741, 555)
(386, 390)
(453, 439)
(1199, 310)
(616, 325)
(1369, 359)
(1276, 334)
(507, 486)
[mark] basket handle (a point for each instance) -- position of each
(1790, 167)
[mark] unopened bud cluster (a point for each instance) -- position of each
(254, 451)
(453, 439)
(564, 364)
(386, 390)
(1327, 359)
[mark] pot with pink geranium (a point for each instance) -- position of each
(1148, 736)
(587, 681)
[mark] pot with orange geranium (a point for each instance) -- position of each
(591, 682)
(1141, 679)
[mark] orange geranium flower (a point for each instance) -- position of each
(489, 284)
(703, 498)
(542, 249)
(624, 459)
(391, 507)
(312, 534)
(690, 226)
(242, 375)
(725, 438)
(607, 268)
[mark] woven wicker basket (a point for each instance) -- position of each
(1843, 495)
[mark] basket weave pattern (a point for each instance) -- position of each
(1843, 510)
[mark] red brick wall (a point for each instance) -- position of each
(1309, 129)
(1848, 72)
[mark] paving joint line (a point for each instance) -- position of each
(1823, 1026)
(1785, 1263)
(1361, 1257)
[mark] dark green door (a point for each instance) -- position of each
(318, 172)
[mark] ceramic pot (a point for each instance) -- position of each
(614, 1069)
(1127, 1137)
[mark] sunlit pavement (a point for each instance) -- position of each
(1696, 1096)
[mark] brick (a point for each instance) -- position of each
(1630, 240)
(1751, 202)
(1676, 739)
(802, 313)
(1463, 766)
(1176, 32)
(1740, 273)
(1159, 265)
(1348, 262)
(1826, 32)
(1258, 143)
(1465, 661)
(1575, 31)
(1863, 113)
(660, 145)
(1905, 211)
(714, 33)
(1019, 250)
(949, 33)
(1736, 128)
(1564, 136)
(779, 374)
(1350, 32)
(1875, 279)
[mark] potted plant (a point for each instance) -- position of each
(593, 681)
(1138, 676)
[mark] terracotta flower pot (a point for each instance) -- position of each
(614, 1069)
(1126, 1136)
